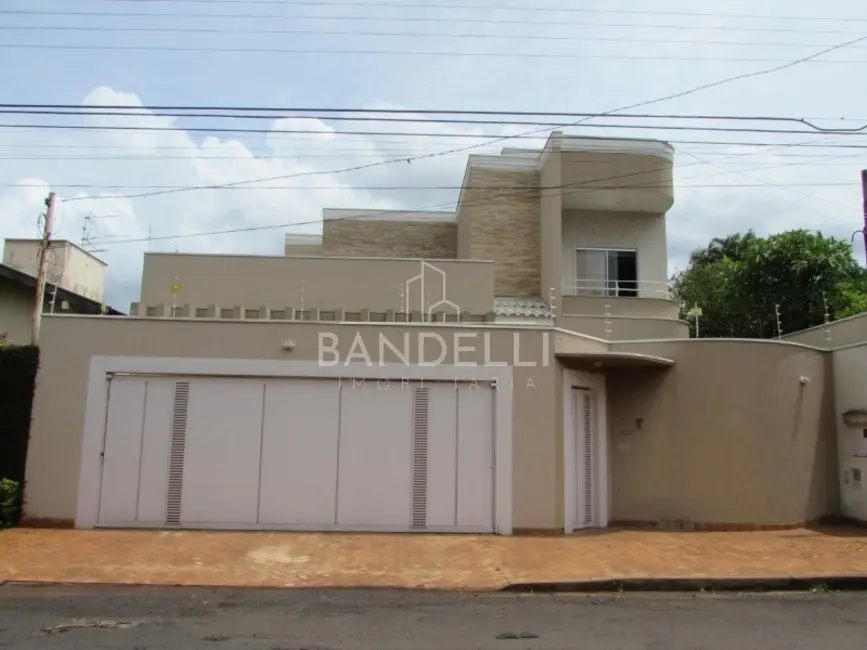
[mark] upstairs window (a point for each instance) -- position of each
(606, 272)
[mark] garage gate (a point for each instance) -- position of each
(293, 453)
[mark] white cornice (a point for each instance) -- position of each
(636, 147)
(528, 160)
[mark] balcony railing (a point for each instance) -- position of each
(615, 288)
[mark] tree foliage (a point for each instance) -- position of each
(738, 281)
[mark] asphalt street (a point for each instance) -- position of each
(142, 618)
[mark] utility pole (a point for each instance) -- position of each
(864, 197)
(40, 274)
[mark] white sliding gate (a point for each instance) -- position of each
(298, 453)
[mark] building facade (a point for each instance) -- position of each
(515, 366)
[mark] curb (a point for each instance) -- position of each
(820, 584)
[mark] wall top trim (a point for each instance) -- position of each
(333, 214)
(322, 325)
(56, 243)
(509, 163)
(831, 325)
(725, 341)
(303, 239)
(434, 261)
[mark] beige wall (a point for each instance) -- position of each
(389, 238)
(66, 265)
(617, 181)
(16, 312)
(850, 382)
(310, 250)
(551, 211)
(642, 232)
(500, 222)
(637, 307)
(729, 434)
(23, 255)
(328, 283)
(846, 331)
(83, 274)
(463, 226)
(58, 412)
(630, 328)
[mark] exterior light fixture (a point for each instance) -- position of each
(855, 418)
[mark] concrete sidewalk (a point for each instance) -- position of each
(423, 561)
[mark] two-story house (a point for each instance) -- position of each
(515, 365)
(576, 230)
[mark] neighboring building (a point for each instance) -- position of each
(18, 287)
(66, 265)
(516, 366)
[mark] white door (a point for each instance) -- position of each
(121, 453)
(375, 473)
(585, 457)
(298, 481)
(135, 458)
(307, 454)
(222, 452)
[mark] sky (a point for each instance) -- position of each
(591, 56)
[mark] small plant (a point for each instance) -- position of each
(820, 588)
(10, 502)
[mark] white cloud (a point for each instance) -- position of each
(127, 162)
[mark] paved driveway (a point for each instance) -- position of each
(418, 561)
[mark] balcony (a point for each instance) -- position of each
(615, 288)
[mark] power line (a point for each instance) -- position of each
(485, 200)
(413, 35)
(440, 53)
(417, 134)
(787, 186)
(387, 115)
(818, 160)
(328, 111)
(414, 188)
(395, 147)
(250, 115)
(497, 7)
(359, 216)
(404, 188)
(629, 107)
(415, 19)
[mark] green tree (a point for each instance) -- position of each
(731, 247)
(740, 280)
